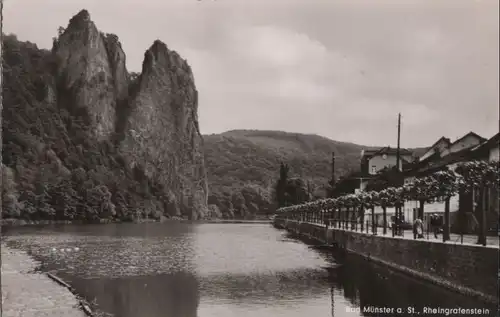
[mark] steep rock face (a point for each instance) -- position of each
(119, 73)
(161, 131)
(91, 74)
(153, 118)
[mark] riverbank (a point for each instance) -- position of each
(22, 222)
(234, 221)
(27, 293)
(468, 269)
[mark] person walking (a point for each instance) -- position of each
(390, 224)
(418, 227)
(435, 225)
(415, 229)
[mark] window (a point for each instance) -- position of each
(374, 169)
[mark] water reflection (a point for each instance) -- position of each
(279, 288)
(294, 293)
(112, 251)
(246, 249)
(369, 285)
(223, 270)
(166, 295)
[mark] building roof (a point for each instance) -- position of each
(385, 150)
(469, 134)
(493, 141)
(433, 165)
(484, 148)
(431, 148)
(447, 140)
(435, 161)
(370, 152)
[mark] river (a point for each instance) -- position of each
(217, 270)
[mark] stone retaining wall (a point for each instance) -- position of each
(468, 269)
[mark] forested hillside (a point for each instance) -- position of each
(243, 166)
(76, 145)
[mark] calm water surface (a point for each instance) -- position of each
(217, 270)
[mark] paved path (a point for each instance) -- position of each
(468, 239)
(454, 238)
(27, 294)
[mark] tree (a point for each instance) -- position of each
(385, 178)
(10, 204)
(61, 173)
(239, 204)
(280, 187)
(331, 183)
(296, 191)
(134, 76)
(477, 176)
(440, 186)
(345, 185)
(214, 211)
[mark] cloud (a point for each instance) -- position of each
(272, 63)
(276, 47)
(414, 115)
(342, 69)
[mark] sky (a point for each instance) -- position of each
(342, 69)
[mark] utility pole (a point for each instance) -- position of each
(332, 180)
(333, 168)
(1, 107)
(398, 159)
(398, 162)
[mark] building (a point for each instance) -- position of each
(491, 148)
(436, 150)
(442, 154)
(443, 148)
(490, 151)
(468, 141)
(445, 154)
(373, 161)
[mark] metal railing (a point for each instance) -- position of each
(366, 226)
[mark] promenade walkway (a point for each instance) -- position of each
(454, 238)
(468, 239)
(29, 294)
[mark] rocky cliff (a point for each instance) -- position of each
(103, 125)
(161, 131)
(91, 74)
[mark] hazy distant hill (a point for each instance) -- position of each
(247, 162)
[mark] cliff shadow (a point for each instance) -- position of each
(163, 295)
(369, 284)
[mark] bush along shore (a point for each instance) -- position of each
(12, 222)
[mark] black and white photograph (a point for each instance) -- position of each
(249, 158)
